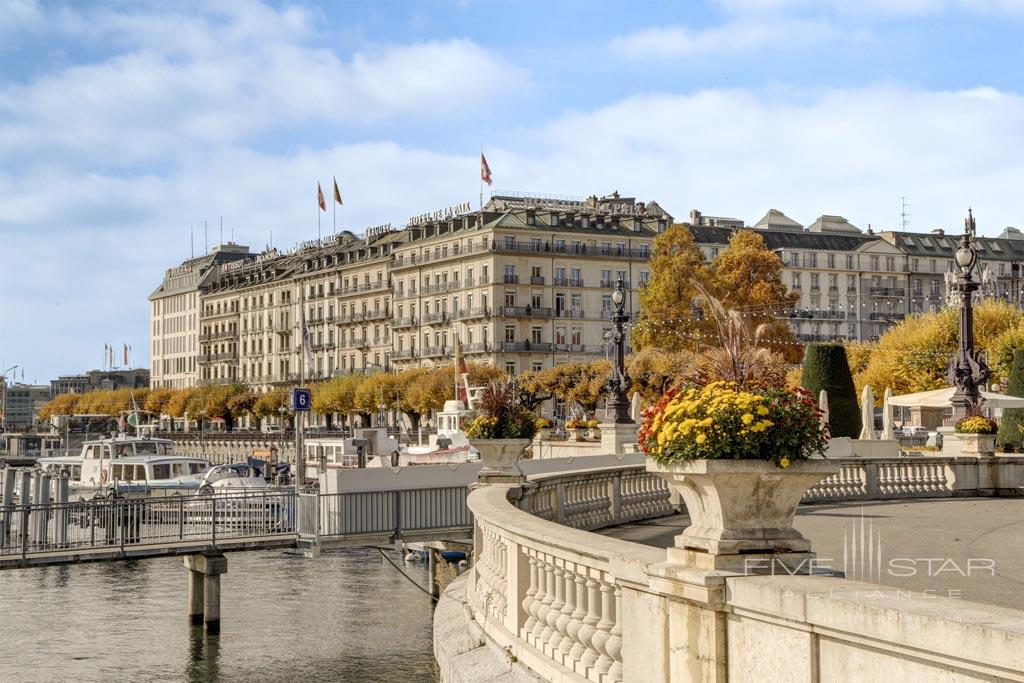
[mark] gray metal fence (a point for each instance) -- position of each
(393, 512)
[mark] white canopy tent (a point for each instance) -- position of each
(942, 398)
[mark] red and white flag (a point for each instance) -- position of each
(320, 197)
(337, 193)
(485, 170)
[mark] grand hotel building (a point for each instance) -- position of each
(524, 284)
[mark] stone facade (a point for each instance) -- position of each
(523, 284)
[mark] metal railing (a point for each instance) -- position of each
(120, 524)
(393, 512)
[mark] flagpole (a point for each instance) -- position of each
(481, 184)
(334, 211)
(318, 210)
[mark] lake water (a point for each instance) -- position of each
(345, 616)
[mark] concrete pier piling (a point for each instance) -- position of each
(204, 573)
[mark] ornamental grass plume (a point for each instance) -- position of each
(500, 414)
(739, 357)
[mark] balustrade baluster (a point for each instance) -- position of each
(529, 600)
(578, 614)
(538, 602)
(604, 630)
(565, 618)
(589, 628)
(542, 614)
(554, 637)
(615, 641)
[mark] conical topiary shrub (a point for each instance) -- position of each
(826, 367)
(1013, 417)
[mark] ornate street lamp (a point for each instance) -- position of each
(619, 383)
(967, 370)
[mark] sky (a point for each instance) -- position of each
(122, 124)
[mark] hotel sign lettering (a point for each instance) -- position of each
(440, 214)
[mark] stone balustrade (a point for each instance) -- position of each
(598, 498)
(921, 477)
(549, 599)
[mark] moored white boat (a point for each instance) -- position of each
(123, 464)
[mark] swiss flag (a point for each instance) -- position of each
(485, 170)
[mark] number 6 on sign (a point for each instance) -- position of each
(300, 400)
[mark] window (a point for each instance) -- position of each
(560, 335)
(162, 471)
(796, 281)
(577, 336)
(537, 366)
(510, 297)
(831, 260)
(510, 367)
(535, 300)
(510, 333)
(535, 333)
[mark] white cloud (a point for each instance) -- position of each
(735, 36)
(852, 152)
(225, 79)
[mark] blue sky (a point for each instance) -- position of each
(123, 123)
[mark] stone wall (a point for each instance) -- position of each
(572, 605)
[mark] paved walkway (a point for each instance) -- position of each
(962, 548)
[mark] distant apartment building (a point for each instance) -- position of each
(856, 284)
(22, 403)
(136, 378)
(174, 316)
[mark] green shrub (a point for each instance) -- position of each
(826, 367)
(1013, 417)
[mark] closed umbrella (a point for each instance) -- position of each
(867, 413)
(823, 407)
(887, 431)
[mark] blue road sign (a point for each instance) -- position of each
(301, 399)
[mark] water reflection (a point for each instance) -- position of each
(204, 652)
(347, 615)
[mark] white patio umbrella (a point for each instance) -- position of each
(823, 406)
(867, 413)
(942, 398)
(634, 408)
(887, 431)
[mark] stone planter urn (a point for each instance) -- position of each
(742, 507)
(593, 433)
(500, 458)
(977, 444)
(544, 434)
(579, 434)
